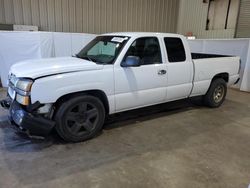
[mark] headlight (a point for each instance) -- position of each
(24, 84)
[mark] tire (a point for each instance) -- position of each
(80, 118)
(216, 93)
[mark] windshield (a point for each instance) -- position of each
(103, 49)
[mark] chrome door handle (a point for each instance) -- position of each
(162, 72)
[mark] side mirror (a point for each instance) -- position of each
(131, 61)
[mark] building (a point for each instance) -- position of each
(202, 18)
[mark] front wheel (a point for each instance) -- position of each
(216, 94)
(80, 118)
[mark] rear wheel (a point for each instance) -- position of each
(216, 94)
(80, 118)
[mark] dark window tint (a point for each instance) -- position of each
(175, 49)
(147, 49)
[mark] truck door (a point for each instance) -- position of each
(143, 85)
(180, 69)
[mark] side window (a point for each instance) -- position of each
(147, 49)
(175, 49)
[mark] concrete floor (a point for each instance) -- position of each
(174, 145)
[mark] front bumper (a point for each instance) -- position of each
(33, 124)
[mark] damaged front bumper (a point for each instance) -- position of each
(6, 103)
(28, 122)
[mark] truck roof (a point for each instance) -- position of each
(143, 34)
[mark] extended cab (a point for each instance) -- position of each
(113, 73)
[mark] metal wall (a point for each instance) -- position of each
(243, 26)
(193, 17)
(92, 16)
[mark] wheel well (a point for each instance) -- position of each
(97, 93)
(224, 76)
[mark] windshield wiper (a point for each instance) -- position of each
(88, 58)
(85, 57)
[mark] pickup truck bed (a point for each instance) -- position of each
(208, 65)
(203, 56)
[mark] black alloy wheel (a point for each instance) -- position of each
(80, 118)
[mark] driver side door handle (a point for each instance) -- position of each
(162, 72)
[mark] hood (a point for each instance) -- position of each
(45, 67)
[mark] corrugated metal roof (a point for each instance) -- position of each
(243, 26)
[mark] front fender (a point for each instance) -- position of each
(50, 89)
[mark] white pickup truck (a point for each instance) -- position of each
(115, 72)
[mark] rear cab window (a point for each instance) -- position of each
(175, 49)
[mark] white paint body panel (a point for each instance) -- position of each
(50, 89)
(126, 88)
(42, 67)
(205, 69)
(139, 86)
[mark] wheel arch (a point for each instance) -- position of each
(96, 93)
(224, 76)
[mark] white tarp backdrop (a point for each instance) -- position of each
(235, 47)
(19, 46)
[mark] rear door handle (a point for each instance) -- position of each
(162, 72)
